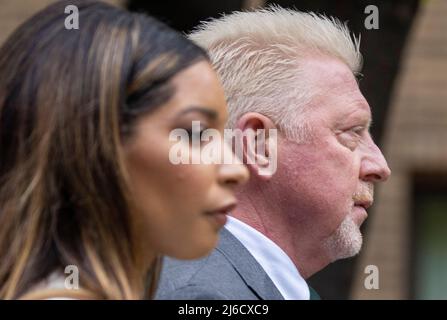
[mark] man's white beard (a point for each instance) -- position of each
(345, 242)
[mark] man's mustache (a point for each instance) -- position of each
(365, 194)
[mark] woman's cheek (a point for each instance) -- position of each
(201, 177)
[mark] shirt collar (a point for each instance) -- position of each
(275, 262)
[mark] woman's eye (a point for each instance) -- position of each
(195, 135)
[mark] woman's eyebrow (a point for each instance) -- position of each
(209, 113)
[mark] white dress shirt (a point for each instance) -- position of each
(275, 262)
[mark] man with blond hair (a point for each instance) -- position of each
(294, 72)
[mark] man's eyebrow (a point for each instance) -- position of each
(369, 124)
(212, 114)
(366, 119)
(358, 77)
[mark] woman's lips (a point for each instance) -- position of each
(220, 215)
(220, 218)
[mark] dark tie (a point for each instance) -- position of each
(313, 294)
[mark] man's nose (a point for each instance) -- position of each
(374, 167)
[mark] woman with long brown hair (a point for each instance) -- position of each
(85, 176)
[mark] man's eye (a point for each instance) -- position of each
(358, 131)
(351, 137)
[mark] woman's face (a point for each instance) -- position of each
(181, 207)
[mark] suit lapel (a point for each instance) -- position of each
(313, 294)
(248, 268)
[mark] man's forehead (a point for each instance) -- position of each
(335, 89)
(353, 109)
(356, 111)
(328, 72)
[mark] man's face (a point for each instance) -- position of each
(327, 181)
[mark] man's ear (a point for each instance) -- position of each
(258, 143)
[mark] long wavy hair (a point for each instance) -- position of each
(68, 103)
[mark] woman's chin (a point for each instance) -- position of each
(196, 250)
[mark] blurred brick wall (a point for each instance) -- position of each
(415, 141)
